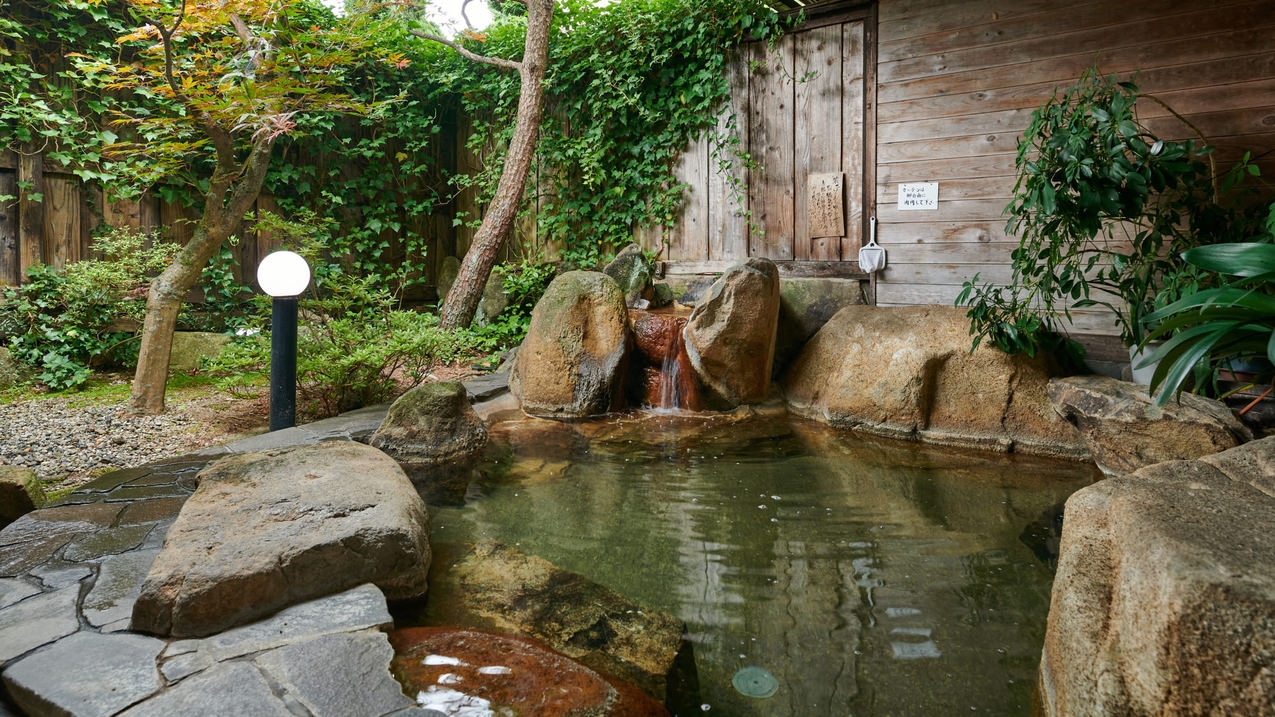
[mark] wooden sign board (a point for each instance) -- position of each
(826, 205)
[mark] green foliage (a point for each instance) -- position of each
(228, 304)
(346, 363)
(1102, 209)
(629, 85)
(353, 348)
(47, 104)
(60, 320)
(1220, 326)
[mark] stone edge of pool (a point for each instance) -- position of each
(72, 574)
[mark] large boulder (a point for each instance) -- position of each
(432, 424)
(730, 337)
(191, 347)
(448, 669)
(908, 372)
(1164, 599)
(267, 530)
(572, 362)
(1125, 430)
(447, 271)
(498, 587)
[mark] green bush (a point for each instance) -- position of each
(348, 363)
(523, 284)
(354, 348)
(65, 322)
(1102, 209)
(1218, 327)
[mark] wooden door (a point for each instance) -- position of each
(798, 109)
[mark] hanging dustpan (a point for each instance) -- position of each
(872, 256)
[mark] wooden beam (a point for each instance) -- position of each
(62, 220)
(30, 209)
(787, 269)
(10, 266)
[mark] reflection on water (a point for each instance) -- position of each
(869, 577)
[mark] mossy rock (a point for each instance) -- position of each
(20, 493)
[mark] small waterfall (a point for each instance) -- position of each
(671, 371)
(662, 377)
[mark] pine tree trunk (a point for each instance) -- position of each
(467, 291)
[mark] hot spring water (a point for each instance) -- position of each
(865, 577)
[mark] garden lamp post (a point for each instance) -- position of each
(283, 275)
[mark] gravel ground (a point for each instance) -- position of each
(69, 443)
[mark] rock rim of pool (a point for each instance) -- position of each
(1164, 598)
(908, 372)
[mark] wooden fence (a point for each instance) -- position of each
(50, 217)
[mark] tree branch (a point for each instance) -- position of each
(494, 61)
(166, 40)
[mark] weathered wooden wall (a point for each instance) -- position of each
(957, 82)
(799, 110)
(57, 227)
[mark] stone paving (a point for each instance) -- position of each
(70, 573)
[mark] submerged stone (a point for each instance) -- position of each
(503, 588)
(455, 670)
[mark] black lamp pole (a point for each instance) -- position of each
(283, 363)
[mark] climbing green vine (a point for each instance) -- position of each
(629, 86)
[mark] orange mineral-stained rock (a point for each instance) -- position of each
(448, 669)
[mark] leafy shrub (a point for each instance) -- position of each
(228, 304)
(352, 362)
(1217, 327)
(354, 348)
(1103, 208)
(64, 322)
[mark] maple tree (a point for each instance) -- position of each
(227, 79)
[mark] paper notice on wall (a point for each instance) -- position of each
(918, 196)
(826, 213)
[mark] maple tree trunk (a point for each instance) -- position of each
(467, 291)
(232, 192)
(163, 303)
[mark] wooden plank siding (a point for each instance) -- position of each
(957, 82)
(799, 108)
